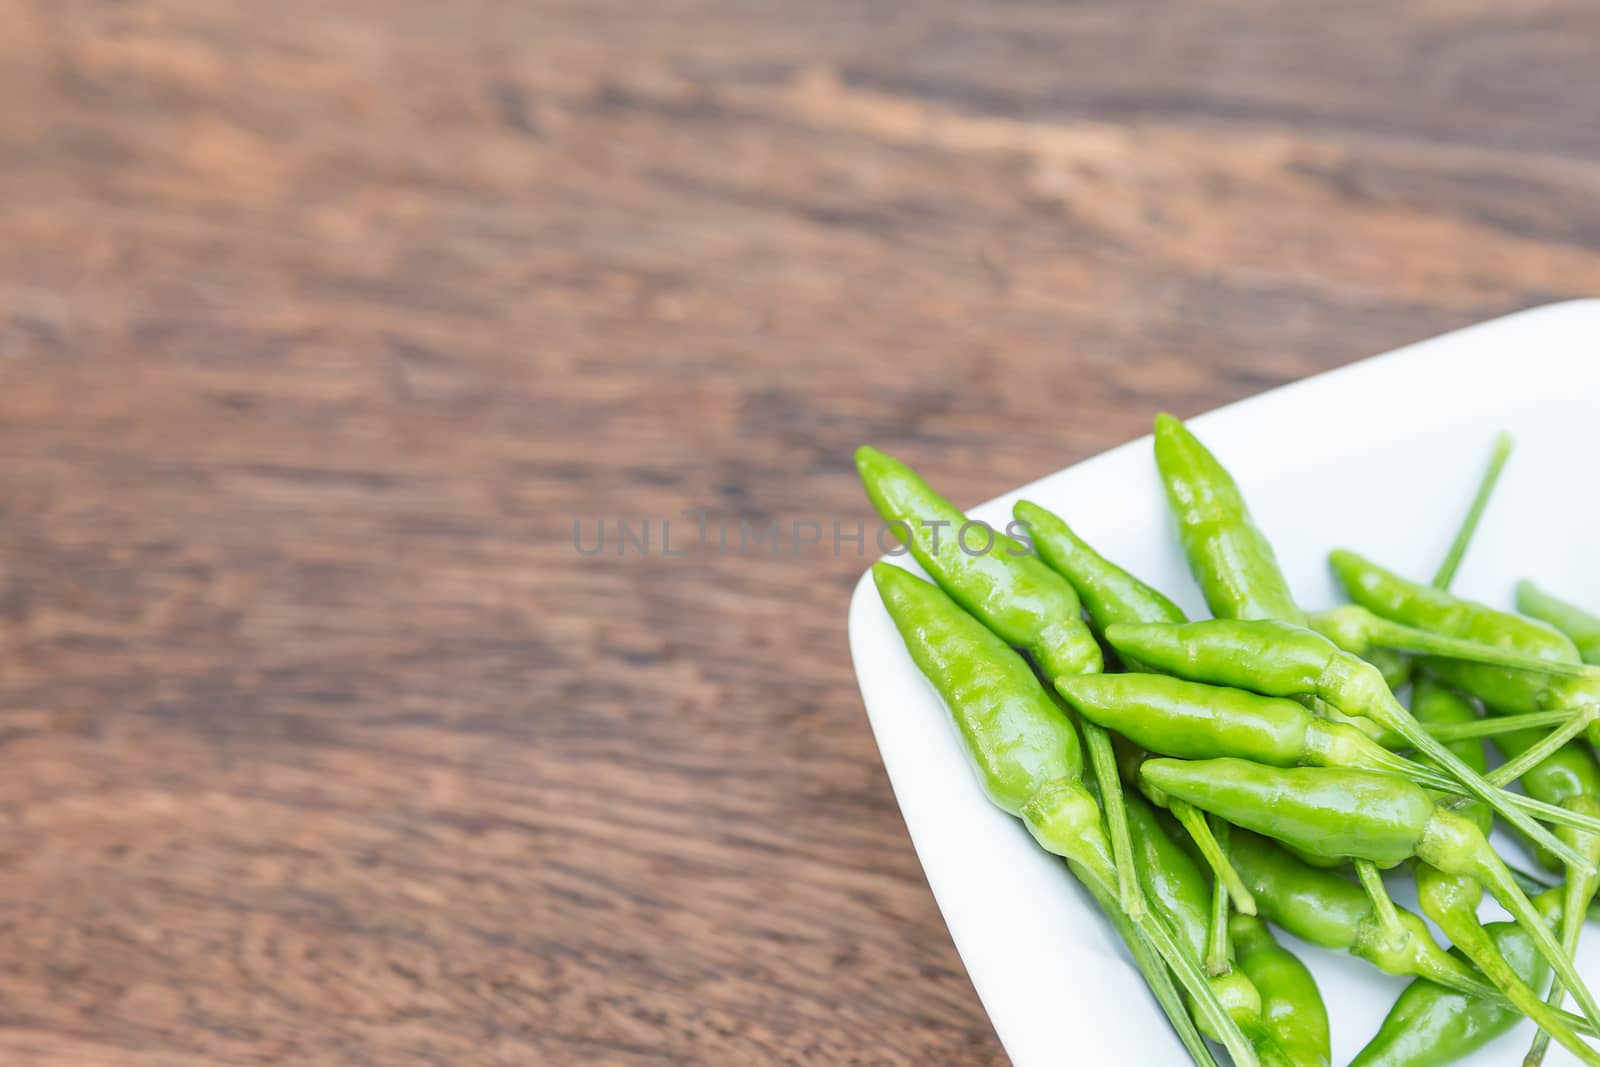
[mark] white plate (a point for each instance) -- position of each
(1380, 456)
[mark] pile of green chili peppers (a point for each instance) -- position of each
(1207, 780)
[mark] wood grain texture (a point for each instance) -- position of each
(322, 322)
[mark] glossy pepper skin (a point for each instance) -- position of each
(1228, 555)
(1011, 591)
(1580, 627)
(1319, 906)
(1028, 760)
(1109, 593)
(1291, 1004)
(1508, 691)
(1331, 813)
(1431, 1025)
(1279, 659)
(1193, 720)
(1362, 815)
(1013, 732)
(1452, 902)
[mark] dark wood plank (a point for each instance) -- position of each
(321, 323)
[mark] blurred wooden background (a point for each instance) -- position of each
(322, 321)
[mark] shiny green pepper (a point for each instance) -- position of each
(1432, 1025)
(1007, 588)
(1278, 659)
(1362, 815)
(1319, 906)
(1109, 593)
(1193, 720)
(1228, 555)
(1580, 627)
(1028, 761)
(1291, 1004)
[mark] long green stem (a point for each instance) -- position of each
(1219, 955)
(1479, 947)
(1387, 634)
(1494, 876)
(1104, 762)
(1155, 972)
(1388, 915)
(1495, 725)
(1210, 1012)
(1553, 814)
(1536, 754)
(1193, 820)
(1469, 526)
(1391, 715)
(1575, 900)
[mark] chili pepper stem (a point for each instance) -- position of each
(1487, 868)
(1154, 970)
(1575, 900)
(1194, 821)
(1382, 905)
(1501, 452)
(1472, 939)
(1219, 953)
(1387, 634)
(1531, 757)
(1104, 763)
(1065, 820)
(1496, 725)
(1392, 715)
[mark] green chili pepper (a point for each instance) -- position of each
(1278, 659)
(1291, 1004)
(1015, 595)
(1193, 720)
(1029, 762)
(1355, 629)
(1317, 905)
(1452, 902)
(1582, 628)
(1360, 815)
(1109, 593)
(1508, 691)
(1177, 892)
(1228, 555)
(1432, 1025)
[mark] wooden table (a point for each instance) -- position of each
(322, 323)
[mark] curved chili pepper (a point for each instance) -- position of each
(1109, 593)
(1360, 815)
(1229, 557)
(1028, 761)
(1279, 659)
(1291, 1004)
(1357, 630)
(1018, 597)
(1452, 902)
(1317, 905)
(1193, 720)
(1432, 1025)
(1581, 628)
(1508, 691)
